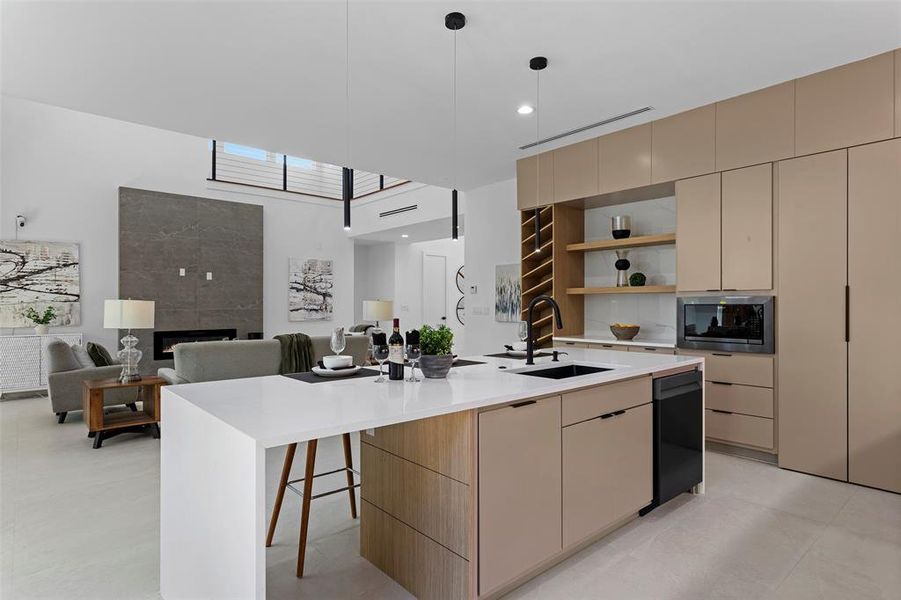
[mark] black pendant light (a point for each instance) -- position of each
(347, 174)
(455, 21)
(538, 64)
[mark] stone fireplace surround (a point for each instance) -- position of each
(160, 234)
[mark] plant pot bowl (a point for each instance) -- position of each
(436, 366)
(624, 333)
(42, 329)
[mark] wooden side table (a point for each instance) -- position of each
(103, 426)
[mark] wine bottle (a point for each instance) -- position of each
(396, 354)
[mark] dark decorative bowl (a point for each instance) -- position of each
(624, 333)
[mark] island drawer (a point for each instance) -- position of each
(744, 399)
(593, 402)
(739, 429)
(744, 369)
(429, 502)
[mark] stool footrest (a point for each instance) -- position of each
(290, 484)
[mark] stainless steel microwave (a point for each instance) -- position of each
(728, 323)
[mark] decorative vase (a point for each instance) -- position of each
(42, 329)
(622, 265)
(621, 227)
(435, 366)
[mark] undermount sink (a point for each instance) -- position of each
(564, 371)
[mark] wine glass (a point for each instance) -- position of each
(413, 354)
(338, 342)
(380, 353)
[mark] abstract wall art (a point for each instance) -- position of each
(310, 286)
(507, 293)
(38, 275)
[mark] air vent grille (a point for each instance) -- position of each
(397, 211)
(631, 113)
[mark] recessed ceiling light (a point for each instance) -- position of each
(404, 235)
(525, 109)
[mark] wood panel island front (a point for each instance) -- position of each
(470, 485)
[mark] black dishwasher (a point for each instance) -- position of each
(678, 436)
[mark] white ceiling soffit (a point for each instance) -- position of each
(271, 74)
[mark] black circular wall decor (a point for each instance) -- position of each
(460, 279)
(461, 311)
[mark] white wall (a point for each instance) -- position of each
(492, 238)
(408, 285)
(62, 170)
(656, 313)
(373, 275)
(432, 203)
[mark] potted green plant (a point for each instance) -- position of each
(41, 321)
(435, 346)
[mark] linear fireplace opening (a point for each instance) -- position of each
(164, 341)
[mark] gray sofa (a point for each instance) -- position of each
(215, 361)
(65, 374)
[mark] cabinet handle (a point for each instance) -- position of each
(650, 349)
(606, 345)
(720, 354)
(730, 289)
(720, 382)
(724, 412)
(613, 414)
(847, 313)
(716, 290)
(526, 403)
(569, 343)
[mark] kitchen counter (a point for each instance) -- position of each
(601, 338)
(215, 434)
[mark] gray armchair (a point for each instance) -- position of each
(65, 375)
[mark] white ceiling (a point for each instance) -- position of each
(271, 74)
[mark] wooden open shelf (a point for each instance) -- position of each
(632, 242)
(645, 289)
(545, 231)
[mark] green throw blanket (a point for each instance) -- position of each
(297, 353)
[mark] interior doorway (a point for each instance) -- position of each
(434, 289)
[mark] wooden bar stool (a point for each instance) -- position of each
(307, 495)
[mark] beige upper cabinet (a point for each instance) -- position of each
(756, 128)
(813, 368)
(535, 181)
(747, 229)
(520, 483)
(845, 106)
(698, 234)
(576, 171)
(897, 93)
(684, 145)
(874, 272)
(625, 159)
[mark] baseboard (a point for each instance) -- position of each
(758, 455)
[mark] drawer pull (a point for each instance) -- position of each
(613, 414)
(720, 382)
(720, 354)
(526, 403)
(650, 349)
(607, 345)
(569, 343)
(723, 412)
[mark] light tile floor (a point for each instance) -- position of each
(80, 523)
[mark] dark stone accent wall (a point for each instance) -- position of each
(160, 233)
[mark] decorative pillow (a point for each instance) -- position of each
(60, 357)
(82, 356)
(99, 355)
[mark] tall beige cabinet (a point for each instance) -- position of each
(813, 364)
(874, 273)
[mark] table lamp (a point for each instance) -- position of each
(128, 314)
(377, 310)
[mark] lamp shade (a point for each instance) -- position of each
(128, 314)
(378, 310)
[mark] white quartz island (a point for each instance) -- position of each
(213, 478)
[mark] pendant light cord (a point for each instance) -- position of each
(347, 83)
(455, 109)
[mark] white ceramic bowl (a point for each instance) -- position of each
(337, 361)
(519, 346)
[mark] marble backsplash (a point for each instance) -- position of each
(655, 313)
